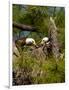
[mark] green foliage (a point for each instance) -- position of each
(60, 18)
(61, 38)
(16, 11)
(38, 16)
(45, 71)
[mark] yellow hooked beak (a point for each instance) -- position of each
(42, 43)
(35, 44)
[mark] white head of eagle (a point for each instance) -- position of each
(30, 41)
(44, 40)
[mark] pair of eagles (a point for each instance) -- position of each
(31, 41)
(28, 41)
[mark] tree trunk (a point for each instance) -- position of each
(53, 38)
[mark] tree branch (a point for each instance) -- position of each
(24, 27)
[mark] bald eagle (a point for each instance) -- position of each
(46, 45)
(24, 41)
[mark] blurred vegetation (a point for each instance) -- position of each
(38, 16)
(38, 71)
(27, 68)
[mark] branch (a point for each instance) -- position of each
(24, 27)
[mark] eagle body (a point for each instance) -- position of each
(20, 43)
